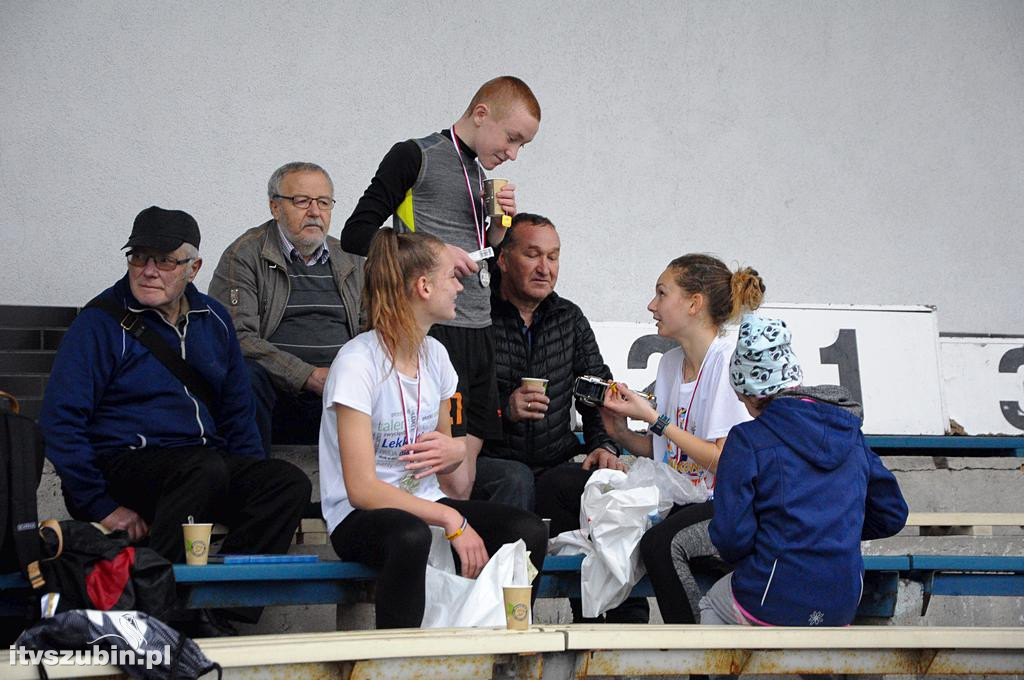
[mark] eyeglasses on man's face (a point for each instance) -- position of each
(303, 202)
(164, 263)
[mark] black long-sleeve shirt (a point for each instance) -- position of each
(395, 175)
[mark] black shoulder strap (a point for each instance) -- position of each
(179, 368)
(23, 450)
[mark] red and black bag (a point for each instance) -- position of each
(93, 570)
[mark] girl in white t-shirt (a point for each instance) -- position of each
(385, 435)
(694, 298)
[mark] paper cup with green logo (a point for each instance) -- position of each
(197, 542)
(517, 607)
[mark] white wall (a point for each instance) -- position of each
(858, 152)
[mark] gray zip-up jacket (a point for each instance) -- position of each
(251, 280)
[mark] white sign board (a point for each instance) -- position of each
(888, 357)
(984, 383)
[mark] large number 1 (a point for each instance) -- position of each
(843, 353)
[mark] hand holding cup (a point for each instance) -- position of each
(529, 401)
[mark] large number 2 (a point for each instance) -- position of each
(1009, 363)
(642, 349)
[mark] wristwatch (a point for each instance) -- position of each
(658, 428)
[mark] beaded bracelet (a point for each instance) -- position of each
(458, 532)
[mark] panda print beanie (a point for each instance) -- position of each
(764, 363)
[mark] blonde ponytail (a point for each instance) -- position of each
(393, 263)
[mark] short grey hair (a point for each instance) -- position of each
(274, 185)
(191, 252)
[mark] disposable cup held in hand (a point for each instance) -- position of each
(492, 187)
(197, 542)
(542, 383)
(517, 607)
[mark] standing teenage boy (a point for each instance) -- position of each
(434, 184)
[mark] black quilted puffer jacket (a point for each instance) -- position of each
(560, 346)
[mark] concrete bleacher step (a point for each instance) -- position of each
(29, 337)
(567, 652)
(27, 363)
(36, 317)
(963, 523)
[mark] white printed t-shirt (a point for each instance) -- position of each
(715, 406)
(362, 378)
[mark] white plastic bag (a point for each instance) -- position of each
(455, 602)
(615, 512)
(673, 487)
(615, 517)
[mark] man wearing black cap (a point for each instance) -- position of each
(148, 414)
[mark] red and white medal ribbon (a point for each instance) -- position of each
(479, 228)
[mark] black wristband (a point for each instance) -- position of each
(658, 428)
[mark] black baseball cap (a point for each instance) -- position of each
(163, 230)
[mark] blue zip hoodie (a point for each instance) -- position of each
(797, 491)
(107, 393)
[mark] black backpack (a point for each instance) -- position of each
(94, 570)
(21, 468)
(89, 569)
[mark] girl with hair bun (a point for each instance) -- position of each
(385, 436)
(694, 298)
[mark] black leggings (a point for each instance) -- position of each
(558, 491)
(656, 551)
(397, 543)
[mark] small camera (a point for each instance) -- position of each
(590, 390)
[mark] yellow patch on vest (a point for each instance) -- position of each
(404, 211)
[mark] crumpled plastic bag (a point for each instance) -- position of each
(456, 602)
(148, 647)
(674, 488)
(613, 518)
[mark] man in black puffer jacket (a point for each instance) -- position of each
(538, 334)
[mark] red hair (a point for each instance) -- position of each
(502, 93)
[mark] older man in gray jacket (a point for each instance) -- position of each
(294, 296)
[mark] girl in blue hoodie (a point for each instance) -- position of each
(797, 491)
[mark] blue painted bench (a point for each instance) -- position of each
(962, 575)
(945, 445)
(348, 582)
(939, 445)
